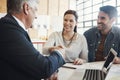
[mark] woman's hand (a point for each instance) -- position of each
(55, 48)
(78, 61)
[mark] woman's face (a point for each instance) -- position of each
(69, 22)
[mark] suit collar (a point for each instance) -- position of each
(20, 23)
(11, 20)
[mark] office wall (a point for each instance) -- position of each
(48, 7)
(53, 7)
(2, 6)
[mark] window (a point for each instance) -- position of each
(88, 11)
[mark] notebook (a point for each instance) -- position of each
(97, 74)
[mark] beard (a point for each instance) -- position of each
(101, 26)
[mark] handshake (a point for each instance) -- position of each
(59, 48)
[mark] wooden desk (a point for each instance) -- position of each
(77, 74)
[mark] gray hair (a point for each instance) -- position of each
(15, 6)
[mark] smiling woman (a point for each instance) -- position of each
(68, 41)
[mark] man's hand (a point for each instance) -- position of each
(117, 60)
(59, 48)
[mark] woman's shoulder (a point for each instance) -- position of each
(79, 35)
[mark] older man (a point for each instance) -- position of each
(19, 59)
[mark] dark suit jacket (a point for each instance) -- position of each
(19, 60)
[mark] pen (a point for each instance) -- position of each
(69, 62)
(69, 67)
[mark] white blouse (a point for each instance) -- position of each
(77, 49)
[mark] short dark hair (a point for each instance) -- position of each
(110, 10)
(75, 14)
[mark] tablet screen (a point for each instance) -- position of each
(109, 61)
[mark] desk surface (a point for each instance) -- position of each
(76, 72)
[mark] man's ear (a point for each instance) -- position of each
(113, 20)
(25, 8)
